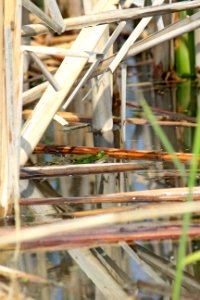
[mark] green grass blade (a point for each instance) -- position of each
(191, 182)
(192, 258)
(163, 138)
(187, 217)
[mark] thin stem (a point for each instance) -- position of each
(187, 216)
(161, 134)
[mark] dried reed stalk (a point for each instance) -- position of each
(72, 117)
(83, 223)
(55, 13)
(159, 195)
(145, 268)
(166, 267)
(66, 76)
(83, 169)
(34, 93)
(112, 16)
(176, 29)
(102, 93)
(96, 271)
(10, 106)
(131, 39)
(92, 56)
(52, 23)
(92, 237)
(186, 25)
(97, 87)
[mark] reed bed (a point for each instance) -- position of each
(65, 67)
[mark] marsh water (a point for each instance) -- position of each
(71, 279)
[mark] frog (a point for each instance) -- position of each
(98, 157)
(91, 158)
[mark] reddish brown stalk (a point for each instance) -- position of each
(114, 152)
(71, 117)
(160, 195)
(83, 169)
(112, 234)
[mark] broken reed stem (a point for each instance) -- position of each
(66, 75)
(55, 13)
(139, 28)
(49, 22)
(71, 117)
(34, 93)
(165, 267)
(112, 16)
(172, 31)
(114, 152)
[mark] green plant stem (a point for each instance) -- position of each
(192, 258)
(181, 255)
(187, 217)
(191, 182)
(161, 134)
